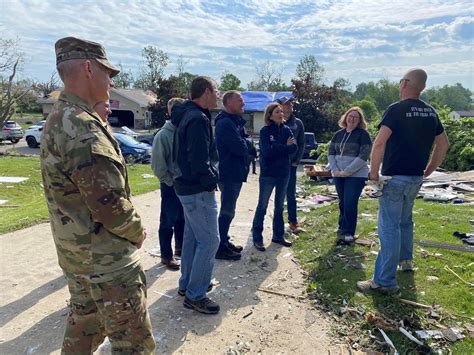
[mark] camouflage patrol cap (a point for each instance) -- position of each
(75, 48)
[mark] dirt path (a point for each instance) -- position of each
(33, 295)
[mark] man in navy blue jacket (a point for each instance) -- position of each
(233, 152)
(195, 154)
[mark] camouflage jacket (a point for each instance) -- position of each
(94, 224)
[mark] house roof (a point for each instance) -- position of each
(469, 113)
(139, 96)
(257, 101)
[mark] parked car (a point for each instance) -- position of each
(11, 131)
(310, 146)
(33, 134)
(132, 150)
(147, 138)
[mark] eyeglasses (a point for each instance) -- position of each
(403, 79)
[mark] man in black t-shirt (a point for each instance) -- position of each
(406, 135)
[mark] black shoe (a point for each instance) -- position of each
(206, 305)
(259, 246)
(228, 255)
(177, 252)
(283, 242)
(235, 248)
(183, 292)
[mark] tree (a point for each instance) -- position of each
(370, 109)
(344, 86)
(309, 68)
(268, 78)
(455, 97)
(10, 90)
(167, 88)
(384, 93)
(229, 82)
(155, 62)
(124, 79)
(319, 107)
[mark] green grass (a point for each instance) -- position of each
(28, 195)
(322, 259)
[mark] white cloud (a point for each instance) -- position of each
(218, 35)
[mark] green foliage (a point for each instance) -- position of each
(124, 79)
(460, 156)
(455, 96)
(383, 92)
(309, 69)
(229, 82)
(370, 109)
(319, 107)
(323, 153)
(29, 196)
(155, 62)
(332, 279)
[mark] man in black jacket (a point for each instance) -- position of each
(195, 154)
(233, 167)
(297, 127)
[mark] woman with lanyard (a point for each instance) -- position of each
(349, 151)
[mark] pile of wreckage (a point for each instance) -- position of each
(457, 187)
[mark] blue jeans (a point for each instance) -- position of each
(171, 219)
(395, 227)
(291, 195)
(349, 190)
(201, 240)
(266, 185)
(229, 193)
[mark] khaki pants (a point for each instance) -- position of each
(112, 305)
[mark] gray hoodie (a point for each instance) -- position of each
(162, 154)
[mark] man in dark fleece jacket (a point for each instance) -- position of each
(297, 127)
(233, 167)
(195, 154)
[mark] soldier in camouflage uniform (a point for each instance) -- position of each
(96, 229)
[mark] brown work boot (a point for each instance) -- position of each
(171, 264)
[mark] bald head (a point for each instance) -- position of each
(413, 83)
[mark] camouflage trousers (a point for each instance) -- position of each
(109, 305)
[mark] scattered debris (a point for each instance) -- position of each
(380, 322)
(248, 314)
(447, 268)
(457, 247)
(3, 202)
(366, 242)
(280, 294)
(451, 334)
(467, 238)
(163, 294)
(416, 304)
(12, 179)
(388, 341)
(148, 176)
(432, 278)
(409, 336)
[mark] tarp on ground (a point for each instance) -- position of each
(259, 100)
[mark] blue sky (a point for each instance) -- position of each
(358, 40)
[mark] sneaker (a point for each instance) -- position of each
(370, 286)
(228, 254)
(405, 265)
(183, 292)
(293, 226)
(235, 248)
(259, 246)
(205, 305)
(345, 239)
(171, 264)
(283, 242)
